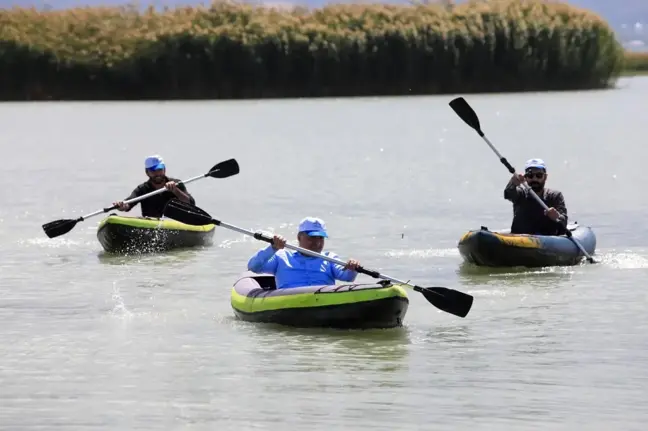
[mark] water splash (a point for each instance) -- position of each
(119, 310)
(487, 292)
(51, 242)
(239, 240)
(624, 260)
(243, 238)
(423, 253)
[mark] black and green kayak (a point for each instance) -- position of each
(119, 234)
(255, 298)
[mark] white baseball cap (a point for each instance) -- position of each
(535, 163)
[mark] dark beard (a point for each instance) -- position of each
(157, 180)
(536, 186)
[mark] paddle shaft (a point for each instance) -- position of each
(511, 169)
(267, 239)
(139, 198)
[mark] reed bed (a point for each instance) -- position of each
(635, 63)
(230, 50)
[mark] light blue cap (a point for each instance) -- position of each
(313, 226)
(535, 163)
(154, 163)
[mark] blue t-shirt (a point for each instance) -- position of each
(293, 269)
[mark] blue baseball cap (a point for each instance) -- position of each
(535, 163)
(313, 226)
(154, 163)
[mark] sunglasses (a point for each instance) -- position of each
(538, 175)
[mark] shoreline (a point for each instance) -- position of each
(633, 73)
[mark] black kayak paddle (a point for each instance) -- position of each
(448, 300)
(469, 116)
(223, 169)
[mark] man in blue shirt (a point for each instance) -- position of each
(293, 269)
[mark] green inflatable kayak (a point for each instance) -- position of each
(119, 234)
(255, 298)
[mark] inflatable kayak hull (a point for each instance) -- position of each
(255, 298)
(119, 234)
(502, 249)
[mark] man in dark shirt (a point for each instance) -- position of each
(529, 217)
(153, 206)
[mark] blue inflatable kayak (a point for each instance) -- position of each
(501, 248)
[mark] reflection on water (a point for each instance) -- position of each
(150, 258)
(471, 274)
(449, 336)
(386, 349)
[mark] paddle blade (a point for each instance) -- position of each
(59, 227)
(224, 169)
(466, 113)
(186, 213)
(449, 300)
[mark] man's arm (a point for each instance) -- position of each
(138, 191)
(560, 206)
(339, 273)
(264, 261)
(513, 192)
(182, 194)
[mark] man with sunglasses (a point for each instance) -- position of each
(154, 206)
(528, 215)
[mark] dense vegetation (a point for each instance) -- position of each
(636, 63)
(235, 51)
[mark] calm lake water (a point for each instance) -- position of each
(92, 341)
